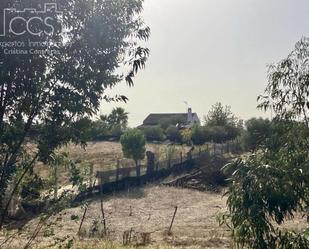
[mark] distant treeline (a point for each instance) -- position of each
(220, 125)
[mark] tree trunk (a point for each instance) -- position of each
(4, 212)
(138, 169)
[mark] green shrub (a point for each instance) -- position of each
(200, 135)
(154, 133)
(173, 134)
(257, 131)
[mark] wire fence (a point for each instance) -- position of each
(125, 171)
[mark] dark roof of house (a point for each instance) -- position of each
(155, 119)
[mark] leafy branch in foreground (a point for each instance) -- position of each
(268, 188)
(287, 92)
(272, 185)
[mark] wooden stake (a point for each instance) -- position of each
(170, 229)
(82, 221)
(103, 215)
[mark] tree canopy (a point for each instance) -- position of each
(98, 47)
(221, 124)
(257, 131)
(220, 115)
(287, 92)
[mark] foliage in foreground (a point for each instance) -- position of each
(272, 185)
(59, 92)
(268, 188)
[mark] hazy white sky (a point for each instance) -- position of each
(204, 51)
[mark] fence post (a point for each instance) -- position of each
(189, 158)
(150, 162)
(117, 170)
(171, 226)
(181, 157)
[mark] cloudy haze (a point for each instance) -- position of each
(204, 51)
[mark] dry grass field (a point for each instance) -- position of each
(144, 210)
(139, 211)
(103, 156)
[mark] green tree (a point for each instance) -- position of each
(109, 126)
(133, 146)
(273, 184)
(220, 115)
(222, 124)
(61, 91)
(287, 91)
(117, 122)
(257, 131)
(98, 130)
(173, 134)
(118, 117)
(199, 135)
(154, 133)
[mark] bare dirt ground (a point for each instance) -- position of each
(147, 210)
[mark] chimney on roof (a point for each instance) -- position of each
(190, 115)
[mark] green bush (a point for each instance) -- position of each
(154, 133)
(109, 126)
(173, 134)
(199, 135)
(256, 133)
